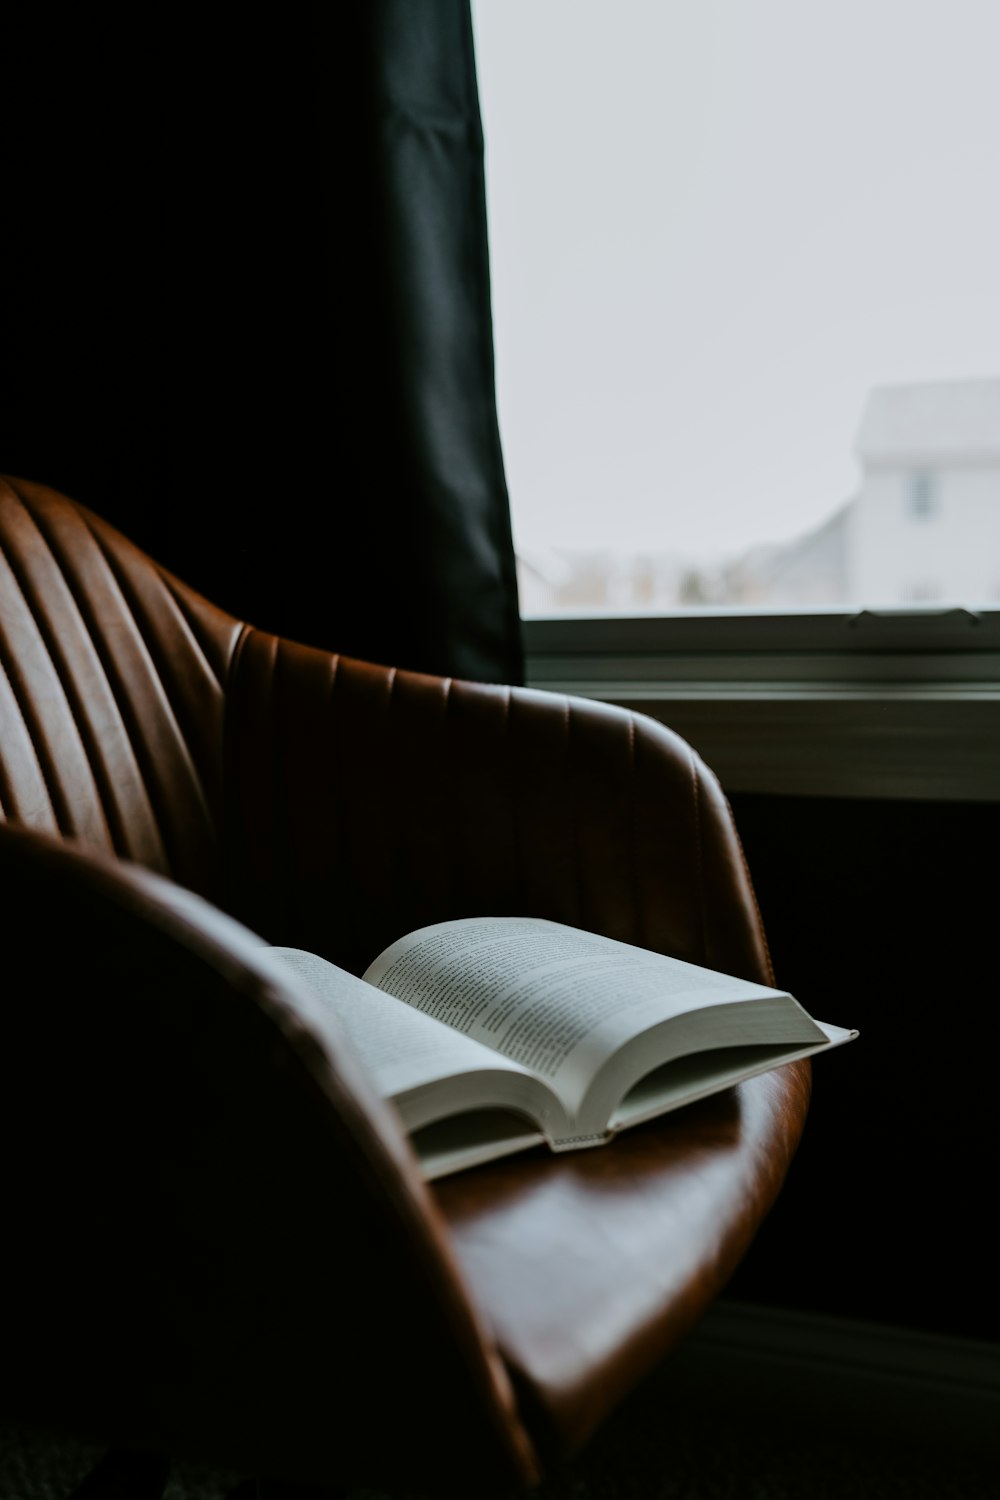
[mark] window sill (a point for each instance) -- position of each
(837, 703)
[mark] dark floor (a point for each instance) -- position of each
(722, 1420)
(653, 1455)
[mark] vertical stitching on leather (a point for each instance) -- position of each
(6, 786)
(516, 860)
(639, 932)
(577, 848)
(234, 662)
(699, 864)
(402, 831)
(22, 701)
(25, 699)
(179, 604)
(229, 696)
(161, 664)
(333, 747)
(123, 704)
(449, 864)
(148, 639)
(278, 758)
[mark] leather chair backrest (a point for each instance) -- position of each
(111, 691)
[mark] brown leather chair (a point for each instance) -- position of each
(217, 1243)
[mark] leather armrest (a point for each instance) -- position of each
(366, 801)
(210, 1216)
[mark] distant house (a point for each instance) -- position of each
(922, 527)
(812, 569)
(925, 524)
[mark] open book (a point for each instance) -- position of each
(495, 1034)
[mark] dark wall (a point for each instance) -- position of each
(882, 915)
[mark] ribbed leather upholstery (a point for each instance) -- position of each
(443, 798)
(113, 683)
(151, 746)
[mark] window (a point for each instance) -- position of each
(921, 500)
(742, 275)
(744, 289)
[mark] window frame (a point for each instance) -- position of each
(892, 703)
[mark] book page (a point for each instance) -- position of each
(554, 999)
(685, 1079)
(469, 1140)
(405, 1052)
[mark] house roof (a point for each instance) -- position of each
(931, 421)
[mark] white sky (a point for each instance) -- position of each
(714, 225)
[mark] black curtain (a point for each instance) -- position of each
(247, 312)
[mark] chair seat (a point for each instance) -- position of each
(590, 1265)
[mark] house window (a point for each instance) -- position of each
(921, 499)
